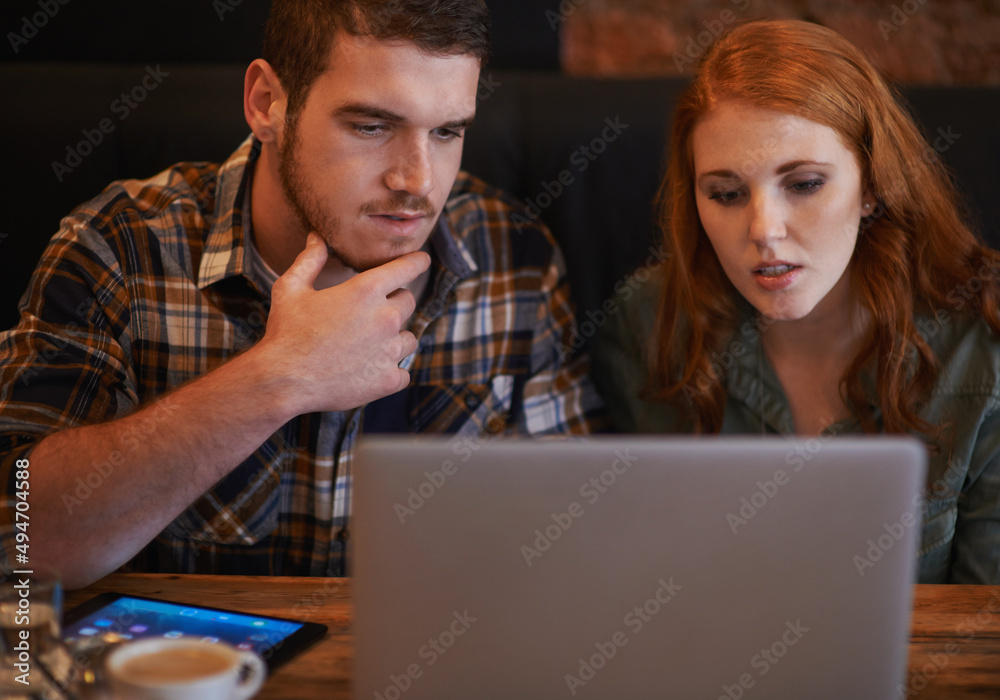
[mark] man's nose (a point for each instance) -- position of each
(411, 170)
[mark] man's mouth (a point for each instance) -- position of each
(402, 216)
(400, 223)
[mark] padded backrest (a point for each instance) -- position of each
(586, 153)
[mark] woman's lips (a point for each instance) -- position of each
(775, 276)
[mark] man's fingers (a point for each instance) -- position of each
(309, 262)
(387, 278)
(404, 380)
(406, 302)
(408, 341)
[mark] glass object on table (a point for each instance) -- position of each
(34, 662)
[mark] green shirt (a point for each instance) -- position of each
(961, 509)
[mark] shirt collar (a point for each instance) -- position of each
(753, 382)
(225, 247)
(750, 379)
(225, 252)
(447, 239)
(454, 259)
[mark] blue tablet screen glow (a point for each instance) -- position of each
(136, 618)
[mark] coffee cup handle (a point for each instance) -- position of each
(253, 679)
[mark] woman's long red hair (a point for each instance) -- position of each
(912, 254)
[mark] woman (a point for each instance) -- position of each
(821, 280)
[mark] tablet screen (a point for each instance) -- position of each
(134, 617)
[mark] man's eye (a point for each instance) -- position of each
(447, 134)
(369, 129)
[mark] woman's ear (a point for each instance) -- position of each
(868, 204)
(264, 101)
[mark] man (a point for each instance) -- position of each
(199, 352)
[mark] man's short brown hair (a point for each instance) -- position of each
(299, 33)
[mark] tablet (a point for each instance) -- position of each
(275, 639)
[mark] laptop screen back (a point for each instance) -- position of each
(634, 567)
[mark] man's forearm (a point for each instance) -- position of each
(332, 349)
(157, 462)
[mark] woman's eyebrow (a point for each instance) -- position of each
(728, 174)
(785, 168)
(788, 167)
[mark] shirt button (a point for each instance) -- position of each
(472, 401)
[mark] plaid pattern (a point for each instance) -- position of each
(148, 286)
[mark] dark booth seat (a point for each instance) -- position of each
(585, 154)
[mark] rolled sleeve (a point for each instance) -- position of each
(63, 365)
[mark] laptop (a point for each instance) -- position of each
(634, 567)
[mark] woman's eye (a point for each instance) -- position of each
(806, 186)
(725, 196)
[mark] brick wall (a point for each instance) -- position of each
(937, 42)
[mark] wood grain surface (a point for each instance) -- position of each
(954, 645)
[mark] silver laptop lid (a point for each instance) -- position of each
(634, 567)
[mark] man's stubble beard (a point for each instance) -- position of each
(313, 217)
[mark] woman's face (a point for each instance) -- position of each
(781, 200)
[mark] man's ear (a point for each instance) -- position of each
(264, 101)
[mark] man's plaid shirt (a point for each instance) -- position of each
(148, 286)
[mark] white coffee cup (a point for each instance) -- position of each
(183, 669)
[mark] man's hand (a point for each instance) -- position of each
(340, 348)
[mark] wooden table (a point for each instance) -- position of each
(954, 647)
(321, 671)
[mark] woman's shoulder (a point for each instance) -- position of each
(620, 355)
(967, 349)
(635, 300)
